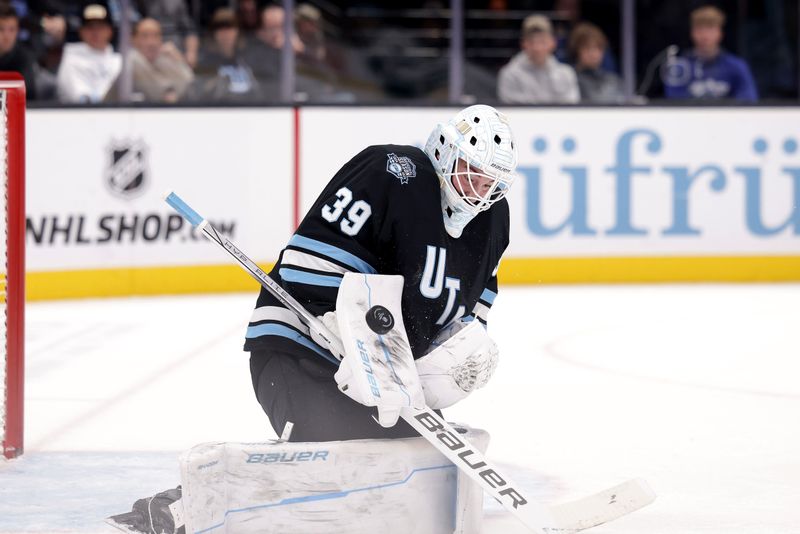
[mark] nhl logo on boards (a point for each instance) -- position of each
(127, 171)
(401, 166)
(379, 320)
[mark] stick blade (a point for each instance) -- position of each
(604, 506)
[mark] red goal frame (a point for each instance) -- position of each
(14, 87)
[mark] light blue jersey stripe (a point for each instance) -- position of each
(488, 296)
(293, 275)
(332, 252)
(271, 329)
(324, 496)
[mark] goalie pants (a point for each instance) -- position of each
(292, 383)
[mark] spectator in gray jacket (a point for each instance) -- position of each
(176, 23)
(534, 76)
(587, 45)
(159, 70)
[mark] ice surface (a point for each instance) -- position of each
(696, 388)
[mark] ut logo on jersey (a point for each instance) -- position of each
(433, 281)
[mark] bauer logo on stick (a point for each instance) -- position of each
(380, 320)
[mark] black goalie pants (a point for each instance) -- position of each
(293, 383)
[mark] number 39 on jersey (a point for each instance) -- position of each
(357, 214)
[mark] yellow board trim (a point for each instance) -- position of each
(139, 281)
(649, 269)
(231, 278)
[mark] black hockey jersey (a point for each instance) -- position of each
(381, 213)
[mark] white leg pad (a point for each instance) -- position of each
(469, 497)
(349, 487)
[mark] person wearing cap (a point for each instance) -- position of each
(534, 76)
(89, 67)
(708, 71)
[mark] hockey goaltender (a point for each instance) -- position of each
(374, 319)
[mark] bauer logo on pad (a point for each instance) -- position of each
(401, 166)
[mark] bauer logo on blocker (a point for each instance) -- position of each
(127, 172)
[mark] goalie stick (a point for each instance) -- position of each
(564, 518)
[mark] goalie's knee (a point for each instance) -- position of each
(362, 486)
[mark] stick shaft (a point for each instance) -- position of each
(254, 271)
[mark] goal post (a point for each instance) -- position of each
(12, 279)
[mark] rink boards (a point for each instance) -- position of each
(603, 194)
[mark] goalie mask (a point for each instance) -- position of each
(475, 159)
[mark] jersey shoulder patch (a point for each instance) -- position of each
(401, 167)
(401, 172)
(400, 163)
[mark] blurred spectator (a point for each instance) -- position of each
(534, 76)
(177, 25)
(308, 23)
(89, 68)
(55, 26)
(42, 24)
(57, 16)
(271, 30)
(314, 77)
(159, 71)
(208, 8)
(222, 74)
(587, 44)
(317, 78)
(262, 51)
(49, 20)
(568, 14)
(13, 57)
(54, 29)
(248, 16)
(43, 29)
(708, 71)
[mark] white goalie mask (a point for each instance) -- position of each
(475, 158)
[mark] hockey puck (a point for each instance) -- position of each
(380, 320)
